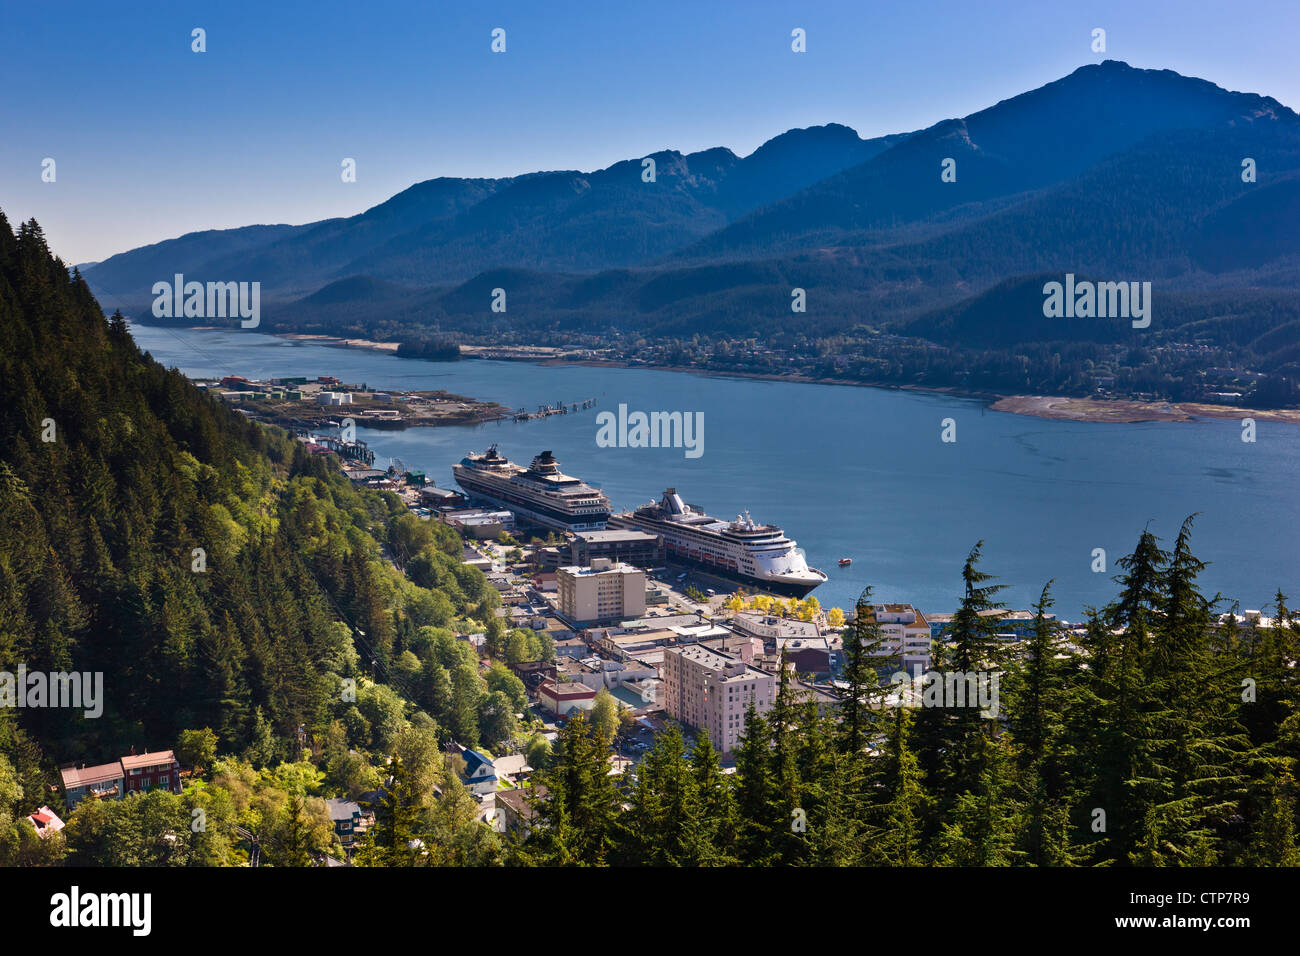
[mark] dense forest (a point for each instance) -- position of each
(233, 589)
(217, 575)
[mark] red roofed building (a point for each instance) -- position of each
(46, 821)
(564, 697)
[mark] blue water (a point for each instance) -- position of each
(860, 472)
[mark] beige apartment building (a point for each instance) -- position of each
(906, 635)
(711, 692)
(606, 591)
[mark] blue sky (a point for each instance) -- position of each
(152, 140)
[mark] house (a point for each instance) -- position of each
(807, 655)
(532, 673)
(512, 767)
(143, 772)
(134, 773)
(46, 822)
(516, 810)
(350, 821)
(475, 641)
(475, 770)
(103, 782)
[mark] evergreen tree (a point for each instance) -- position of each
(863, 649)
(899, 816)
(717, 802)
(951, 737)
(576, 822)
(1039, 712)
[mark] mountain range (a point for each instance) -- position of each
(1121, 173)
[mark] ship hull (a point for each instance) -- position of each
(783, 588)
(685, 556)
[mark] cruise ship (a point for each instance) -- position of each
(540, 494)
(744, 550)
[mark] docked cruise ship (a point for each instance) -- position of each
(540, 494)
(754, 553)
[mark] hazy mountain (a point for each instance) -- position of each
(134, 273)
(447, 230)
(1125, 174)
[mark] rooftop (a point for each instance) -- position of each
(599, 567)
(342, 809)
(136, 761)
(571, 690)
(89, 776)
(616, 535)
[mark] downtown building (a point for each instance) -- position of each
(604, 593)
(907, 637)
(711, 692)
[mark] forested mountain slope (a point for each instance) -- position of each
(215, 574)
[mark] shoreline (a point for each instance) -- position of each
(1053, 407)
(337, 342)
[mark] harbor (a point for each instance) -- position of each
(851, 472)
(304, 402)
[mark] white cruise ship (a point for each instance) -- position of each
(540, 494)
(760, 554)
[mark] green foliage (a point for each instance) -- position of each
(197, 749)
(218, 575)
(605, 715)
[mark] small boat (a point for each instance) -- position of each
(845, 562)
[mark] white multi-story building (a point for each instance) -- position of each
(603, 592)
(906, 635)
(712, 692)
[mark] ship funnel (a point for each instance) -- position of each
(673, 503)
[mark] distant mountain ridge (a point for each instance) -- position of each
(1113, 171)
(449, 229)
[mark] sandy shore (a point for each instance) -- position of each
(344, 343)
(1094, 410)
